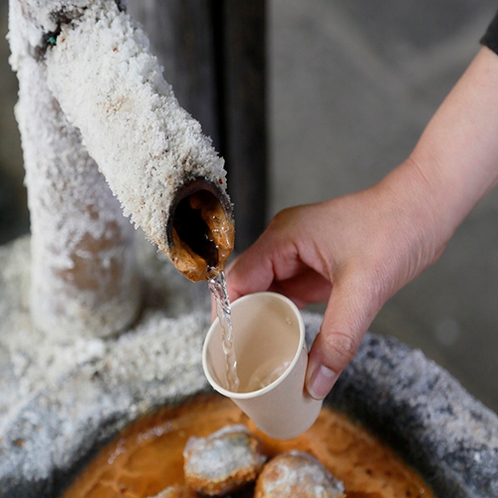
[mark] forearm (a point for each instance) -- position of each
(455, 162)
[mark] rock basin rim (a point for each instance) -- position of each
(62, 397)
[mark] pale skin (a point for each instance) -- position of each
(354, 252)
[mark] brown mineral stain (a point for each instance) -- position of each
(147, 457)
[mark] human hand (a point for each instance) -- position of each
(355, 252)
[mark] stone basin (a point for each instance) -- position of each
(62, 397)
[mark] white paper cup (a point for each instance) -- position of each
(268, 336)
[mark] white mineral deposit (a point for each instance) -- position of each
(111, 87)
(83, 271)
(95, 112)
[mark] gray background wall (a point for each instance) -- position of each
(352, 83)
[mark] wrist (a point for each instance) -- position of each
(424, 211)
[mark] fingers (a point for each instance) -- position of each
(281, 271)
(348, 315)
(250, 272)
(273, 256)
(284, 259)
(305, 288)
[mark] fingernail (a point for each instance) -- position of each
(320, 382)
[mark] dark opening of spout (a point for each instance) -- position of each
(193, 230)
(200, 229)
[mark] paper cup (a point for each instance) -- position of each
(268, 337)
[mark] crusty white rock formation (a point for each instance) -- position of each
(90, 90)
(83, 274)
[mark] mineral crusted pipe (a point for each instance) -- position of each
(160, 166)
(83, 276)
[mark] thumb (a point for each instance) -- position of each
(348, 315)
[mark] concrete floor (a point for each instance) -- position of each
(352, 85)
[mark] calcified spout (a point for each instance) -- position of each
(200, 230)
(163, 170)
